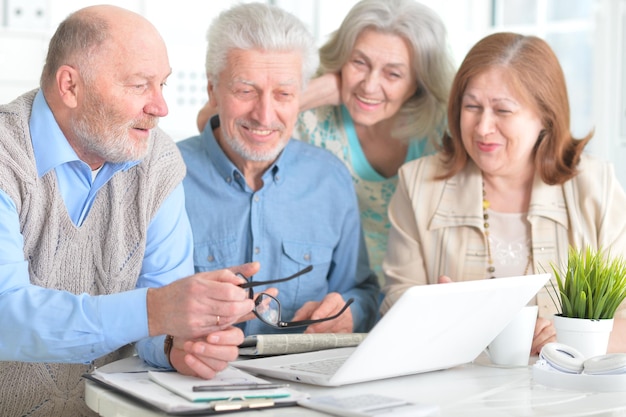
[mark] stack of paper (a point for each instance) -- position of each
(173, 393)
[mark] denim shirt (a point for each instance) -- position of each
(305, 213)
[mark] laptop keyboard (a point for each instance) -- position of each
(324, 366)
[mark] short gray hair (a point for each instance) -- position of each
(424, 114)
(263, 27)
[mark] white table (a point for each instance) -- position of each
(477, 389)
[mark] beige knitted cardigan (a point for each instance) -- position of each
(102, 256)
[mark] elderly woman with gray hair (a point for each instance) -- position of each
(380, 101)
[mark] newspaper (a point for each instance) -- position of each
(280, 344)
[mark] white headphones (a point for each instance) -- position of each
(567, 359)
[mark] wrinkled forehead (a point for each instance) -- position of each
(140, 51)
(263, 67)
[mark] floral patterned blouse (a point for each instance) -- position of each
(332, 128)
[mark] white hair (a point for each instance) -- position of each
(263, 27)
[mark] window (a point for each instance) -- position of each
(568, 27)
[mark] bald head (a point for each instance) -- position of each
(85, 33)
(103, 81)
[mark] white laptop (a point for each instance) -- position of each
(431, 327)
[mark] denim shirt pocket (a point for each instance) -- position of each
(212, 255)
(312, 285)
(304, 254)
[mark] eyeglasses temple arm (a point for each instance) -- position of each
(299, 323)
(275, 281)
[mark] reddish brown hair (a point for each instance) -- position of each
(537, 75)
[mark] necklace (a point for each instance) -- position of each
(491, 269)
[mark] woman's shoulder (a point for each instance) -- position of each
(430, 164)
(589, 161)
(320, 113)
(595, 181)
(323, 127)
(325, 118)
(592, 170)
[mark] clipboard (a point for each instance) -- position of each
(196, 409)
(132, 381)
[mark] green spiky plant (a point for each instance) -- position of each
(591, 286)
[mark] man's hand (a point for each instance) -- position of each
(250, 316)
(329, 306)
(205, 357)
(203, 303)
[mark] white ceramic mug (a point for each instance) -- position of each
(512, 346)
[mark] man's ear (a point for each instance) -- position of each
(68, 86)
(210, 88)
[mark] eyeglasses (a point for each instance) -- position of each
(267, 307)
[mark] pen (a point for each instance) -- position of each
(236, 387)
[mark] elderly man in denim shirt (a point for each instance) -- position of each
(253, 194)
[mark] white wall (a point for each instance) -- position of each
(183, 27)
(183, 24)
(609, 99)
(23, 46)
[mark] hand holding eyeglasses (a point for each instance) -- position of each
(268, 309)
(252, 315)
(197, 305)
(199, 311)
(331, 304)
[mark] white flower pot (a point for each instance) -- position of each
(589, 337)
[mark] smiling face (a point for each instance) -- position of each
(122, 99)
(377, 78)
(498, 127)
(257, 97)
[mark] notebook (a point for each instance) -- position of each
(430, 327)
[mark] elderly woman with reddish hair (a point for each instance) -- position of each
(510, 190)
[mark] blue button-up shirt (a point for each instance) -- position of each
(306, 213)
(46, 325)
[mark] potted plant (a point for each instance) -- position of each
(590, 289)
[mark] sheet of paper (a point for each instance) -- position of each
(183, 385)
(139, 385)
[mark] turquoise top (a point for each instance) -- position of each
(332, 128)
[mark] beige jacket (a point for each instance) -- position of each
(437, 226)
